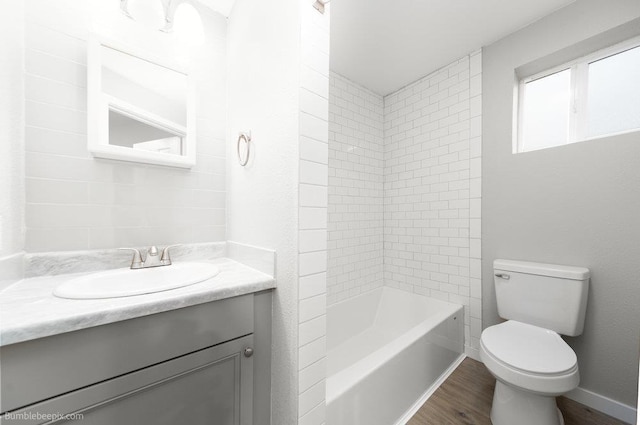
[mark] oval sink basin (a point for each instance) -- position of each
(126, 282)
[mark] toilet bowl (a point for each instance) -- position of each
(532, 366)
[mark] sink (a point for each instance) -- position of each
(126, 282)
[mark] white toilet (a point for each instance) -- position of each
(530, 361)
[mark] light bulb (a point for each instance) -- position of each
(187, 25)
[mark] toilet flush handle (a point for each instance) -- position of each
(503, 276)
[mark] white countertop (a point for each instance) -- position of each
(29, 310)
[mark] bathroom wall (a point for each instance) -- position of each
(11, 144)
(432, 146)
(74, 201)
(279, 200)
(576, 204)
(355, 190)
(12, 130)
(262, 197)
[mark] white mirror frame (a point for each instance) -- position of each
(99, 103)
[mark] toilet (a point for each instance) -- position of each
(530, 361)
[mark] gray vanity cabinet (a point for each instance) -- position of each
(209, 387)
(194, 365)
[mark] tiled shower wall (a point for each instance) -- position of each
(432, 188)
(355, 190)
(312, 242)
(74, 201)
(424, 176)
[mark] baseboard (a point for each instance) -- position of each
(432, 389)
(474, 353)
(604, 404)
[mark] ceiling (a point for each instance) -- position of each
(387, 44)
(223, 7)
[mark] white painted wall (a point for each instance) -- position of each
(576, 204)
(279, 200)
(355, 190)
(77, 202)
(262, 198)
(12, 187)
(12, 130)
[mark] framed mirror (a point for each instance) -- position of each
(140, 108)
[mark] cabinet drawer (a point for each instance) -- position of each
(211, 386)
(36, 370)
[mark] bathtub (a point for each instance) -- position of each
(386, 351)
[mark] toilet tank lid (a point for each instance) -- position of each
(551, 270)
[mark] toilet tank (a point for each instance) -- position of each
(546, 295)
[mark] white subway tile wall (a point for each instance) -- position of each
(432, 189)
(355, 190)
(312, 237)
(74, 201)
(405, 189)
(475, 194)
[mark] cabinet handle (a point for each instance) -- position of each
(248, 352)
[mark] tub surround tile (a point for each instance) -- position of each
(312, 374)
(313, 240)
(433, 188)
(312, 330)
(312, 397)
(313, 177)
(355, 225)
(312, 285)
(28, 309)
(312, 352)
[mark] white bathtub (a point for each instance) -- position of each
(385, 350)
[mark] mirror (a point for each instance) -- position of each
(140, 109)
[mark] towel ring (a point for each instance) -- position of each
(246, 137)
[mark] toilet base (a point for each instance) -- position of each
(516, 406)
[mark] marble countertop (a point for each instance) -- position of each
(29, 310)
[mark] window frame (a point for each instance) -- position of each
(579, 85)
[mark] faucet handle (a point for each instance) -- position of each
(166, 257)
(136, 261)
(153, 250)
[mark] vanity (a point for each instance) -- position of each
(195, 355)
(78, 336)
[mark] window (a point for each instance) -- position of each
(592, 97)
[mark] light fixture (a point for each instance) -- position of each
(320, 4)
(171, 16)
(184, 21)
(149, 13)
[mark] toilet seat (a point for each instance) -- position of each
(530, 357)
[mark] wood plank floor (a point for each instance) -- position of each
(465, 399)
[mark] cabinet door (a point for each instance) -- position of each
(209, 387)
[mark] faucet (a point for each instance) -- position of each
(152, 258)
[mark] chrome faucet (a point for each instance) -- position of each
(152, 258)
